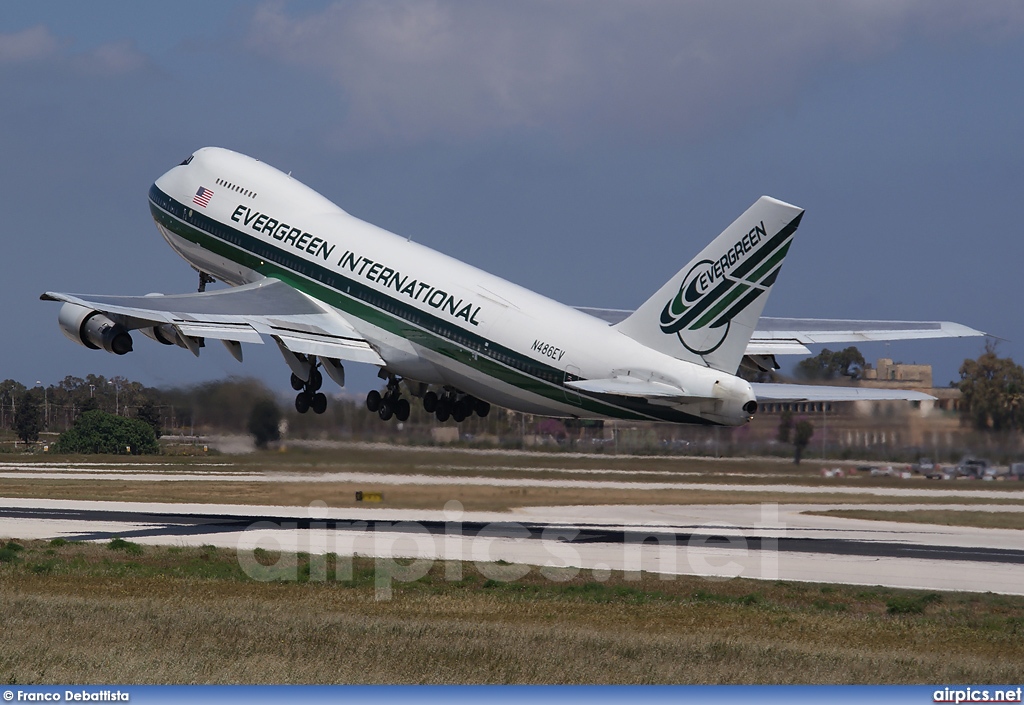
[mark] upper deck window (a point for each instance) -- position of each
(236, 188)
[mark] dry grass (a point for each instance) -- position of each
(86, 614)
(463, 463)
(473, 497)
(982, 520)
(397, 459)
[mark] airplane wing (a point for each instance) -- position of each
(768, 392)
(241, 314)
(611, 316)
(781, 336)
(653, 390)
(791, 336)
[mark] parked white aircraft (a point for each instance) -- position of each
(326, 287)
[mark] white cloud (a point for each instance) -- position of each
(115, 58)
(413, 70)
(38, 44)
(29, 44)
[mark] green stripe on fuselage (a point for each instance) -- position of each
(368, 304)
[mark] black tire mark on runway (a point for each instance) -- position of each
(183, 524)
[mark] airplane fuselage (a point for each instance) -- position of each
(431, 318)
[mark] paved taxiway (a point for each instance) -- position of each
(767, 541)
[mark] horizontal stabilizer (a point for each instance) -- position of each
(813, 392)
(776, 347)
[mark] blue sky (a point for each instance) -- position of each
(583, 149)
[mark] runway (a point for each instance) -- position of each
(144, 474)
(762, 541)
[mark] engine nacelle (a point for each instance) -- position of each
(93, 330)
(165, 334)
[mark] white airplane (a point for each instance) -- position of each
(327, 287)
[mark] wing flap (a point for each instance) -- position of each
(322, 346)
(240, 333)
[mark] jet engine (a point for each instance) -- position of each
(93, 330)
(165, 334)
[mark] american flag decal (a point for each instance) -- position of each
(202, 197)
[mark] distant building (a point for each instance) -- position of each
(930, 424)
(887, 374)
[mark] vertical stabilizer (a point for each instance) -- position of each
(707, 312)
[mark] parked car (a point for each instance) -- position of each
(974, 468)
(924, 466)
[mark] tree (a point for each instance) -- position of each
(993, 392)
(803, 432)
(149, 413)
(829, 365)
(99, 432)
(28, 419)
(264, 422)
(785, 426)
(10, 392)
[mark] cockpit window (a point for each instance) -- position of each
(187, 160)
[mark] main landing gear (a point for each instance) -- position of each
(389, 404)
(451, 404)
(310, 396)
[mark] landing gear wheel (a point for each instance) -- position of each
(373, 400)
(302, 402)
(482, 408)
(443, 410)
(319, 403)
(316, 380)
(463, 409)
(430, 402)
(386, 411)
(402, 409)
(297, 383)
